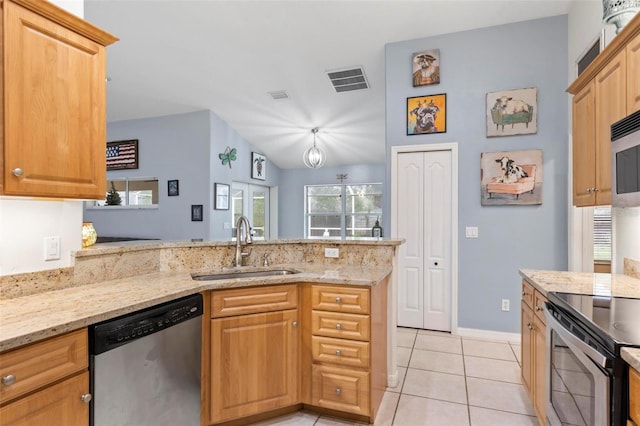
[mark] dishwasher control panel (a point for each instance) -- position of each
(115, 332)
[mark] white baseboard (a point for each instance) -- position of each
(499, 336)
(393, 379)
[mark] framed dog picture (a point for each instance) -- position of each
(512, 112)
(427, 114)
(511, 177)
(426, 68)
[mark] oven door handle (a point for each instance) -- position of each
(566, 335)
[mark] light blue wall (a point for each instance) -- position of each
(526, 54)
(183, 147)
(291, 191)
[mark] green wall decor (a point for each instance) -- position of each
(228, 156)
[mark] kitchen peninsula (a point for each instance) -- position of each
(109, 280)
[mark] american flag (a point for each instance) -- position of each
(122, 155)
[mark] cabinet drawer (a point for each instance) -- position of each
(340, 351)
(57, 405)
(634, 395)
(340, 389)
(41, 363)
(527, 293)
(253, 300)
(335, 324)
(351, 300)
(538, 305)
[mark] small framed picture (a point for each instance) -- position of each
(427, 114)
(426, 68)
(258, 166)
(196, 212)
(221, 196)
(173, 188)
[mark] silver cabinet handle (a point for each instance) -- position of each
(538, 308)
(8, 380)
(524, 293)
(338, 299)
(86, 398)
(338, 391)
(294, 324)
(529, 326)
(595, 189)
(17, 171)
(338, 326)
(338, 352)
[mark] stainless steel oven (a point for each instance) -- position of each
(586, 381)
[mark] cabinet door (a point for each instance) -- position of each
(584, 146)
(611, 106)
(539, 374)
(633, 75)
(57, 405)
(634, 395)
(526, 346)
(254, 364)
(54, 106)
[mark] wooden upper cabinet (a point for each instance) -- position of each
(611, 106)
(633, 75)
(584, 146)
(54, 110)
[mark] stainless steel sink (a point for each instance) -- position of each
(243, 274)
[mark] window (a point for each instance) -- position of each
(342, 211)
(602, 234)
(130, 192)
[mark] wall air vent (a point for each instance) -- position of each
(347, 80)
(279, 94)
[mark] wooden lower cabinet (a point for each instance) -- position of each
(57, 405)
(534, 349)
(46, 383)
(254, 364)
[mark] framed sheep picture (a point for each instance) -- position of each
(511, 177)
(426, 68)
(512, 112)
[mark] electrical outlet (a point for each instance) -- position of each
(51, 248)
(331, 252)
(471, 232)
(505, 305)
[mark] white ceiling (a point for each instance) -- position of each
(178, 56)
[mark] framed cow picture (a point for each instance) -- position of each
(512, 112)
(426, 67)
(511, 177)
(427, 114)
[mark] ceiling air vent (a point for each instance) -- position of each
(348, 79)
(279, 94)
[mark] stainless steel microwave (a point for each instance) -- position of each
(625, 161)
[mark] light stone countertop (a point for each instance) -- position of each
(38, 316)
(632, 356)
(583, 283)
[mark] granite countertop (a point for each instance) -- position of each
(30, 318)
(583, 283)
(632, 356)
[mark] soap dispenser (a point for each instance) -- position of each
(376, 231)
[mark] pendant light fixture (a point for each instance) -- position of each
(313, 157)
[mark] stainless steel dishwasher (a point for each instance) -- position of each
(145, 366)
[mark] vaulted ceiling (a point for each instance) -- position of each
(177, 56)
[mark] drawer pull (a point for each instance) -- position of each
(8, 380)
(529, 326)
(524, 293)
(338, 326)
(338, 391)
(338, 299)
(538, 308)
(17, 172)
(294, 324)
(86, 398)
(338, 352)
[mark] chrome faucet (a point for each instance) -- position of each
(247, 233)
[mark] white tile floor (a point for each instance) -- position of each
(448, 381)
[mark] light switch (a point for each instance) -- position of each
(51, 248)
(471, 232)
